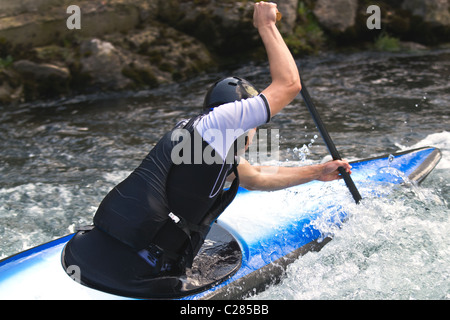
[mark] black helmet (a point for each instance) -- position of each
(228, 90)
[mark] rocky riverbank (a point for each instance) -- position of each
(133, 44)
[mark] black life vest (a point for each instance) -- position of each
(172, 205)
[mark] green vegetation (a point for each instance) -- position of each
(308, 36)
(6, 62)
(385, 42)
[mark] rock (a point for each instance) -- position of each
(42, 80)
(412, 46)
(172, 54)
(103, 64)
(14, 7)
(289, 11)
(39, 23)
(139, 40)
(145, 58)
(10, 87)
(336, 15)
(168, 53)
(43, 71)
(5, 93)
(220, 25)
(433, 11)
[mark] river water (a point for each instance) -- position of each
(58, 160)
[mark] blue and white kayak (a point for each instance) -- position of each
(261, 233)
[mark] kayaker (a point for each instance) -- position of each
(154, 222)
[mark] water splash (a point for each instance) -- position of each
(393, 247)
(390, 159)
(303, 152)
(387, 249)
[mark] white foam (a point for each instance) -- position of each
(440, 140)
(116, 176)
(390, 248)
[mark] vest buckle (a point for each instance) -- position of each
(174, 218)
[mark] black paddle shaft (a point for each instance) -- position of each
(331, 147)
